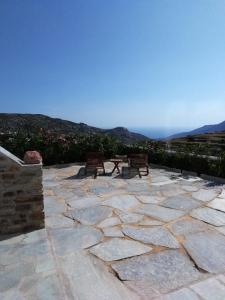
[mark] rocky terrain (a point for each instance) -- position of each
(33, 122)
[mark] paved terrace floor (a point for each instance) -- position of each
(158, 237)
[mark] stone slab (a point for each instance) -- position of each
(47, 288)
(160, 213)
(158, 236)
(123, 202)
(84, 202)
(44, 264)
(58, 221)
(112, 232)
(150, 199)
(35, 236)
(184, 227)
(143, 290)
(171, 190)
(53, 206)
(222, 194)
(181, 202)
(221, 229)
(12, 294)
(221, 278)
(129, 218)
(160, 178)
(31, 249)
(67, 240)
(139, 187)
(99, 190)
(209, 289)
(209, 215)
(162, 183)
(12, 275)
(164, 271)
(109, 222)
(91, 215)
(205, 195)
(182, 294)
(189, 188)
(89, 279)
(116, 249)
(149, 222)
(218, 203)
(207, 250)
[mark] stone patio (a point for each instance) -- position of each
(159, 237)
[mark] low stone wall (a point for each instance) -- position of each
(21, 195)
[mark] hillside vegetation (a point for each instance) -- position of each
(212, 144)
(31, 124)
(191, 153)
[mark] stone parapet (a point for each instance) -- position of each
(21, 195)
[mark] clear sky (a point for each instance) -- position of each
(133, 63)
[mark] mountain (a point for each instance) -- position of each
(33, 122)
(204, 129)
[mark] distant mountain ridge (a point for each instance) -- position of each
(204, 129)
(10, 122)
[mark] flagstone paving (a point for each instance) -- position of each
(82, 202)
(218, 203)
(112, 232)
(127, 217)
(109, 222)
(161, 237)
(160, 213)
(164, 271)
(91, 215)
(205, 195)
(116, 249)
(207, 250)
(209, 289)
(158, 236)
(184, 227)
(149, 222)
(209, 215)
(181, 202)
(221, 229)
(123, 202)
(66, 240)
(182, 294)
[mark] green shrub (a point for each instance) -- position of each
(56, 149)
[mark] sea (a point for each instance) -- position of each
(157, 133)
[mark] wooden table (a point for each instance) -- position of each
(116, 162)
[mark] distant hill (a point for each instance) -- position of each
(202, 130)
(33, 122)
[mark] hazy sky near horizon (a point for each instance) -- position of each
(133, 63)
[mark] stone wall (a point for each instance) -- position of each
(21, 195)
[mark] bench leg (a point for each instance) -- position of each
(139, 173)
(104, 170)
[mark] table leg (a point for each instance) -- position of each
(116, 167)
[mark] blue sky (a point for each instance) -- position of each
(133, 63)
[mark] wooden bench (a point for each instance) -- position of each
(138, 162)
(94, 162)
